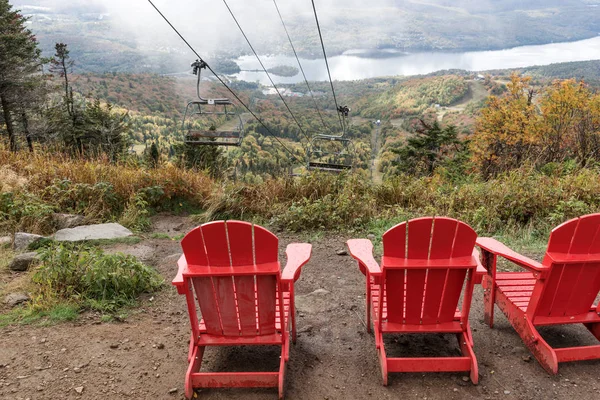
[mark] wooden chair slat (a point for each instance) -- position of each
(240, 242)
(419, 238)
(215, 241)
(442, 240)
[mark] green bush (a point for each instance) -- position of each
(24, 211)
(88, 276)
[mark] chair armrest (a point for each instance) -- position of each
(297, 254)
(362, 251)
(178, 280)
(495, 247)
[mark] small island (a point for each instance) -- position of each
(284, 70)
(227, 67)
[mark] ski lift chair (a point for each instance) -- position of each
(200, 109)
(329, 160)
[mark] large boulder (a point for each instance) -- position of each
(15, 299)
(92, 232)
(64, 221)
(24, 240)
(22, 262)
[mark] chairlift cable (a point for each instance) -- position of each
(300, 65)
(337, 108)
(266, 72)
(223, 83)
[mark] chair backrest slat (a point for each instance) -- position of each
(415, 289)
(216, 244)
(452, 290)
(422, 295)
(205, 293)
(436, 281)
(233, 304)
(570, 288)
(267, 296)
(246, 302)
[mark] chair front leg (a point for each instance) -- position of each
(368, 305)
(489, 286)
(293, 312)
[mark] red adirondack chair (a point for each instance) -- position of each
(233, 269)
(560, 290)
(417, 289)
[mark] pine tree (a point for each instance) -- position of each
(19, 62)
(430, 146)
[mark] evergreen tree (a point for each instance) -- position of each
(430, 146)
(19, 62)
(154, 155)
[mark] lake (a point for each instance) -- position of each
(355, 64)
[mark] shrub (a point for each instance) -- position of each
(87, 275)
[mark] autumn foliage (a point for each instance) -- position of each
(537, 127)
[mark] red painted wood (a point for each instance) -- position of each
(235, 379)
(436, 280)
(226, 302)
(449, 263)
(419, 238)
(246, 302)
(238, 286)
(193, 247)
(561, 237)
(415, 288)
(362, 251)
(429, 364)
(215, 240)
(266, 293)
(495, 247)
(446, 327)
(395, 293)
(502, 276)
(240, 243)
(452, 289)
(208, 305)
(265, 245)
(464, 241)
(591, 317)
(298, 255)
(442, 240)
(577, 353)
(394, 241)
(586, 290)
(584, 235)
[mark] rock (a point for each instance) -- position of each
(64, 221)
(141, 251)
(22, 262)
(92, 232)
(314, 303)
(15, 299)
(465, 379)
(341, 253)
(507, 392)
(526, 358)
(79, 389)
(5, 241)
(173, 391)
(160, 346)
(370, 236)
(114, 346)
(24, 240)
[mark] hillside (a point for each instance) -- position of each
(106, 36)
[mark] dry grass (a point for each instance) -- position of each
(37, 172)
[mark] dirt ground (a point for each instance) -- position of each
(145, 357)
